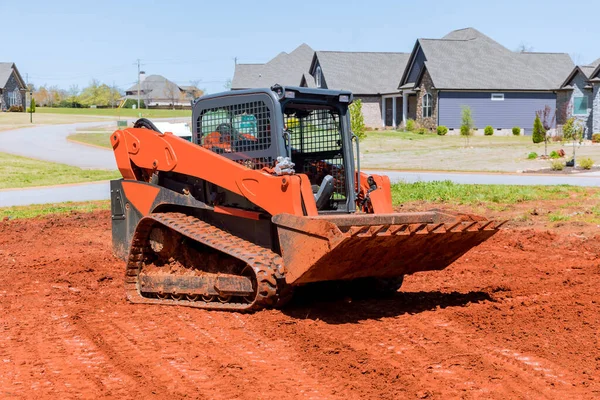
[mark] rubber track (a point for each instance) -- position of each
(265, 263)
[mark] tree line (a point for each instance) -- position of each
(95, 94)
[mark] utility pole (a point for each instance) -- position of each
(138, 64)
(30, 98)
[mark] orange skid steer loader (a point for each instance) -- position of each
(267, 196)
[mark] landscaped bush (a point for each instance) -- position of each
(586, 163)
(532, 156)
(410, 125)
(488, 131)
(421, 131)
(15, 109)
(596, 138)
(357, 119)
(539, 134)
(557, 165)
(442, 130)
(554, 154)
(516, 131)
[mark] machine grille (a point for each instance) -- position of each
(235, 128)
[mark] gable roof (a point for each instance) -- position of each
(157, 87)
(468, 59)
(360, 72)
(590, 71)
(6, 69)
(284, 69)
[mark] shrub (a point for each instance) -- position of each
(596, 138)
(488, 131)
(129, 103)
(442, 130)
(15, 109)
(557, 165)
(410, 125)
(516, 131)
(422, 131)
(32, 105)
(532, 156)
(554, 154)
(568, 129)
(586, 163)
(467, 123)
(539, 134)
(357, 120)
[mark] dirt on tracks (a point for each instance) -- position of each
(517, 317)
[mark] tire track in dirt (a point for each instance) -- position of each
(132, 352)
(259, 357)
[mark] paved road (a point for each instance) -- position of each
(55, 194)
(585, 179)
(49, 142)
(100, 190)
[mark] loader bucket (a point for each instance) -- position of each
(327, 247)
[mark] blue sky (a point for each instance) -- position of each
(70, 42)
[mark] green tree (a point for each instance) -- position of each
(32, 105)
(357, 120)
(539, 135)
(467, 124)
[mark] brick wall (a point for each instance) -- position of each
(371, 109)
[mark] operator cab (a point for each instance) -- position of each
(309, 126)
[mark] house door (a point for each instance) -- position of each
(389, 116)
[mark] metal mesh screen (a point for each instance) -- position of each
(316, 140)
(316, 132)
(236, 128)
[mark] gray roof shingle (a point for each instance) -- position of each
(362, 72)
(157, 87)
(467, 59)
(6, 69)
(284, 69)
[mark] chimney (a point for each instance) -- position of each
(142, 76)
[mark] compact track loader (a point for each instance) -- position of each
(267, 196)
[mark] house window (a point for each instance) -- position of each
(427, 105)
(13, 98)
(497, 96)
(580, 105)
(318, 77)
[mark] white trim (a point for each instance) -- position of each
(319, 76)
(497, 96)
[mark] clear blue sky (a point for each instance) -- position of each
(64, 42)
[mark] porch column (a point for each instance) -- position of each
(382, 112)
(394, 112)
(404, 107)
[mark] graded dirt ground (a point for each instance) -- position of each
(517, 317)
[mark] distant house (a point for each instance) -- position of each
(371, 76)
(12, 87)
(158, 91)
(466, 68)
(580, 98)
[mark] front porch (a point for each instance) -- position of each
(397, 108)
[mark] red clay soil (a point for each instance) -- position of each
(517, 317)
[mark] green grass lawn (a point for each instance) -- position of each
(20, 172)
(98, 137)
(447, 192)
(116, 112)
(39, 210)
(411, 151)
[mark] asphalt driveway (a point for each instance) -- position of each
(49, 142)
